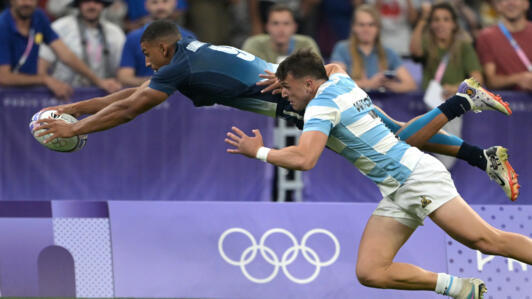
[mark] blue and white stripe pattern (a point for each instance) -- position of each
(343, 111)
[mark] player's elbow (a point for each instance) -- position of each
(307, 164)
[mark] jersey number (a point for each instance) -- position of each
(234, 51)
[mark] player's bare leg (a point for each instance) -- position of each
(382, 239)
(456, 215)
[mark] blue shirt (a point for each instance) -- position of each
(132, 55)
(343, 111)
(341, 53)
(13, 44)
(206, 73)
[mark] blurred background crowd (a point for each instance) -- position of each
(385, 45)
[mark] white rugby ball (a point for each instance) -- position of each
(71, 144)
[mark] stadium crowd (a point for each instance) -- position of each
(63, 44)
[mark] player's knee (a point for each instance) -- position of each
(491, 244)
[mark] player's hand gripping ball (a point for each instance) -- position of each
(71, 144)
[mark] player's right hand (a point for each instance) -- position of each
(270, 81)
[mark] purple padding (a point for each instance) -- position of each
(25, 209)
(172, 249)
(21, 242)
(504, 279)
(79, 209)
(335, 179)
(174, 152)
(56, 273)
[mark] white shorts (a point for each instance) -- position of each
(429, 186)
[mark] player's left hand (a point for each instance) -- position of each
(244, 144)
(57, 127)
(271, 82)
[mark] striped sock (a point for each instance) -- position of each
(448, 285)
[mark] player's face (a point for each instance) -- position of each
(512, 9)
(24, 8)
(281, 27)
(298, 91)
(90, 10)
(156, 54)
(365, 28)
(160, 9)
(442, 24)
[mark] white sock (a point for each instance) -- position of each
(448, 285)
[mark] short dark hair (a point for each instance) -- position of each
(303, 62)
(160, 29)
(281, 8)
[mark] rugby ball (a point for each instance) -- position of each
(71, 144)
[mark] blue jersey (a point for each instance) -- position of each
(209, 74)
(344, 112)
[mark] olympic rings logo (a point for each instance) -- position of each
(287, 258)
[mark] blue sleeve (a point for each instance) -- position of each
(5, 49)
(316, 124)
(340, 53)
(49, 35)
(169, 78)
(128, 53)
(394, 61)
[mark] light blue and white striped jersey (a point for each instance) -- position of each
(343, 111)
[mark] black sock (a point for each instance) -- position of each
(454, 107)
(473, 155)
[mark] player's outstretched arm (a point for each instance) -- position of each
(302, 156)
(94, 105)
(115, 114)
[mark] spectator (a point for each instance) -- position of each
(24, 28)
(444, 45)
(367, 60)
(503, 66)
(138, 14)
(448, 57)
(259, 10)
(133, 70)
(281, 39)
(398, 17)
(99, 43)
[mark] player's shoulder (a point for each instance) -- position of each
(337, 85)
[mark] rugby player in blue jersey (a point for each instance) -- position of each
(414, 185)
(209, 74)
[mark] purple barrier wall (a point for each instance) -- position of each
(174, 152)
(225, 250)
(335, 179)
